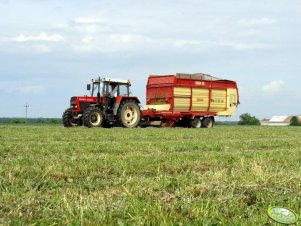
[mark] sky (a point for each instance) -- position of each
(50, 49)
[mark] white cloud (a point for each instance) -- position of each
(11, 87)
(257, 22)
(87, 20)
(137, 42)
(41, 43)
(61, 25)
(40, 37)
(128, 38)
(203, 45)
(272, 87)
(113, 43)
(42, 48)
(87, 40)
(31, 89)
(181, 43)
(251, 33)
(243, 46)
(82, 25)
(298, 94)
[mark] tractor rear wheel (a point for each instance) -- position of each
(207, 122)
(128, 114)
(195, 123)
(93, 117)
(69, 120)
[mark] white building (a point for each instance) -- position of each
(278, 121)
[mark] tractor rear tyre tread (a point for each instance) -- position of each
(128, 114)
(93, 117)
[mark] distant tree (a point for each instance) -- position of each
(18, 121)
(41, 120)
(54, 121)
(247, 119)
(295, 121)
(5, 120)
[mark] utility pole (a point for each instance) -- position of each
(26, 108)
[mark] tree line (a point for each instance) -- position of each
(247, 119)
(30, 121)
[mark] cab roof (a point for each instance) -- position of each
(119, 81)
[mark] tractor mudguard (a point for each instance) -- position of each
(120, 99)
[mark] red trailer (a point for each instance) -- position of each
(189, 100)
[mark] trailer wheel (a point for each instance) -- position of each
(207, 122)
(93, 117)
(69, 121)
(195, 123)
(128, 114)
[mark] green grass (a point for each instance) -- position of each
(228, 175)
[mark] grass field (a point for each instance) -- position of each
(228, 175)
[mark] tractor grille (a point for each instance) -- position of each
(84, 106)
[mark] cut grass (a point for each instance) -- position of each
(228, 175)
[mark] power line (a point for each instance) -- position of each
(26, 109)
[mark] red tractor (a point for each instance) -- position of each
(110, 104)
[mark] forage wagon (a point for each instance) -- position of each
(191, 100)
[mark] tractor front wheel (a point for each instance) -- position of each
(69, 120)
(128, 114)
(93, 117)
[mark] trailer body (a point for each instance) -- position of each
(184, 98)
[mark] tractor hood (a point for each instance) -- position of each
(76, 99)
(80, 103)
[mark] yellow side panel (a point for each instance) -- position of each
(223, 102)
(181, 104)
(232, 102)
(200, 98)
(218, 100)
(181, 91)
(182, 98)
(233, 98)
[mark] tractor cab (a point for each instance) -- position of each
(107, 90)
(108, 86)
(109, 104)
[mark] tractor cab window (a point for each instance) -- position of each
(112, 89)
(115, 89)
(123, 90)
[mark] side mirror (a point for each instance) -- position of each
(88, 86)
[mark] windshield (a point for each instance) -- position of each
(123, 90)
(116, 89)
(112, 89)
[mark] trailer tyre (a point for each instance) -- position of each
(207, 122)
(93, 117)
(195, 123)
(128, 114)
(68, 119)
